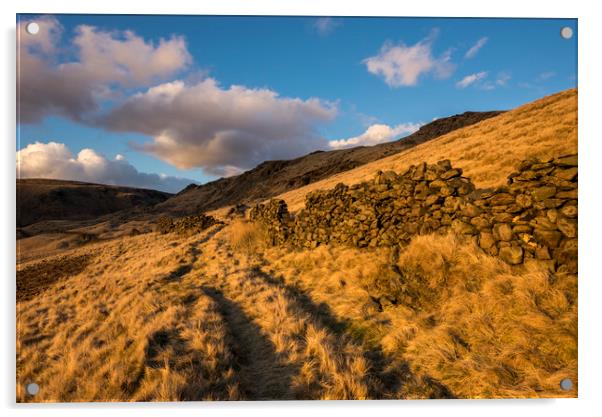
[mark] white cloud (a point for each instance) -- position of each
(545, 76)
(326, 25)
(223, 131)
(471, 79)
(103, 62)
(55, 161)
(502, 79)
(375, 134)
(402, 65)
(474, 50)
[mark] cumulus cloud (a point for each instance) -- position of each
(375, 134)
(471, 79)
(48, 82)
(55, 161)
(326, 25)
(474, 50)
(402, 65)
(222, 130)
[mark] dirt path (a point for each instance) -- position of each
(170, 318)
(287, 345)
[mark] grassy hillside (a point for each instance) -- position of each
(222, 315)
(44, 199)
(487, 151)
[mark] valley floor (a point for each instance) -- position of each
(220, 316)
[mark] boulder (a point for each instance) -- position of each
(461, 228)
(569, 211)
(471, 210)
(480, 222)
(542, 252)
(552, 215)
(524, 200)
(566, 174)
(419, 172)
(543, 193)
(568, 227)
(502, 217)
(567, 195)
(452, 173)
(503, 232)
(486, 240)
(550, 238)
(567, 255)
(501, 199)
(567, 161)
(433, 199)
(444, 165)
(512, 255)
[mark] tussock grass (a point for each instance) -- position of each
(478, 326)
(166, 318)
(132, 325)
(247, 237)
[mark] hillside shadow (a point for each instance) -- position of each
(178, 273)
(216, 229)
(386, 377)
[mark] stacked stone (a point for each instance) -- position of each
(185, 225)
(386, 211)
(275, 217)
(238, 210)
(534, 216)
(165, 225)
(392, 208)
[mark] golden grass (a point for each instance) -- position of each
(166, 318)
(220, 315)
(480, 327)
(487, 151)
(247, 237)
(127, 328)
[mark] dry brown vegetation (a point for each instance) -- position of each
(246, 237)
(220, 315)
(201, 320)
(469, 320)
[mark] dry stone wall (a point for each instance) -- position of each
(185, 225)
(533, 216)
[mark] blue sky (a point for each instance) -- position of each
(331, 80)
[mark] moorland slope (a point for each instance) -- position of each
(221, 314)
(275, 177)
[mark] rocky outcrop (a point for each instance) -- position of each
(533, 217)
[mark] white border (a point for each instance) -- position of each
(590, 278)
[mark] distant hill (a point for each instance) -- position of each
(45, 199)
(271, 178)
